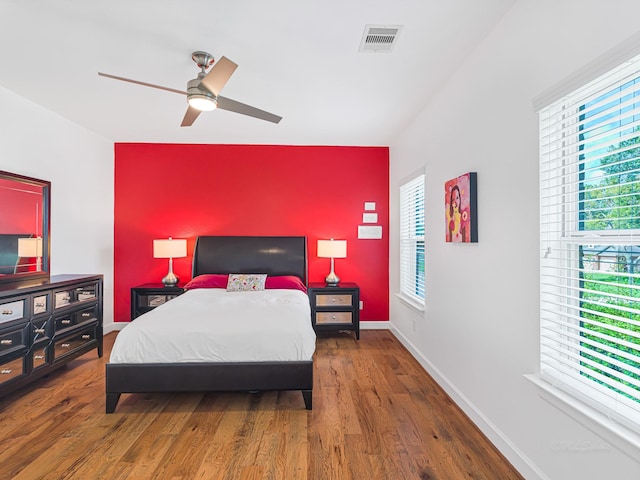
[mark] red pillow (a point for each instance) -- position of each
(289, 282)
(215, 280)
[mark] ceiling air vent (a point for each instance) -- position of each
(379, 38)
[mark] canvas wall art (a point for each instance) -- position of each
(461, 210)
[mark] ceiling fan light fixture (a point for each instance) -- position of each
(204, 103)
(202, 92)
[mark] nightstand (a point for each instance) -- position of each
(150, 295)
(335, 308)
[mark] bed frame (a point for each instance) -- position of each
(225, 254)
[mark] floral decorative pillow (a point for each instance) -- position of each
(246, 282)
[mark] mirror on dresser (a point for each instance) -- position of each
(25, 204)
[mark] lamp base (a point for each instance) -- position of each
(170, 280)
(332, 280)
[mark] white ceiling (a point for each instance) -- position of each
(297, 58)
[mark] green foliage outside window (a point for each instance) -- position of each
(609, 278)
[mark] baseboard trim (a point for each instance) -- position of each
(114, 327)
(374, 325)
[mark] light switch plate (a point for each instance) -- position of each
(369, 218)
(370, 232)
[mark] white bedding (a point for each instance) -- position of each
(213, 325)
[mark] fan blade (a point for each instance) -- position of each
(144, 84)
(190, 117)
(218, 75)
(233, 106)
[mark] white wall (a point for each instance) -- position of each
(39, 143)
(479, 334)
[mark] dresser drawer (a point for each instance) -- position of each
(39, 354)
(63, 298)
(334, 299)
(73, 319)
(334, 317)
(41, 304)
(67, 345)
(12, 369)
(41, 330)
(13, 340)
(12, 310)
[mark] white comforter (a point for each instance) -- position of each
(213, 325)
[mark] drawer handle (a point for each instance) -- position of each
(65, 345)
(6, 371)
(86, 314)
(7, 312)
(39, 330)
(7, 341)
(38, 357)
(66, 321)
(40, 305)
(86, 337)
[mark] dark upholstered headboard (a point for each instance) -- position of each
(270, 255)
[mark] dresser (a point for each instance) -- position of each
(47, 323)
(335, 308)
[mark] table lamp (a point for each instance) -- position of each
(31, 248)
(332, 249)
(170, 248)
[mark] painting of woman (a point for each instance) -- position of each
(460, 209)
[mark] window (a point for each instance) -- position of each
(590, 239)
(412, 240)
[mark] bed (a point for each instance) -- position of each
(274, 256)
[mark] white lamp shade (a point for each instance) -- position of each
(332, 248)
(30, 247)
(170, 248)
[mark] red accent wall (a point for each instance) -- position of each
(184, 191)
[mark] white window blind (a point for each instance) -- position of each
(590, 242)
(412, 240)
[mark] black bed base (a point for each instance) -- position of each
(207, 377)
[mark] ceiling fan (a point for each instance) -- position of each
(203, 92)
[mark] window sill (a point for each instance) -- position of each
(410, 302)
(621, 437)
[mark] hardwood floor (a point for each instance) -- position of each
(376, 415)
